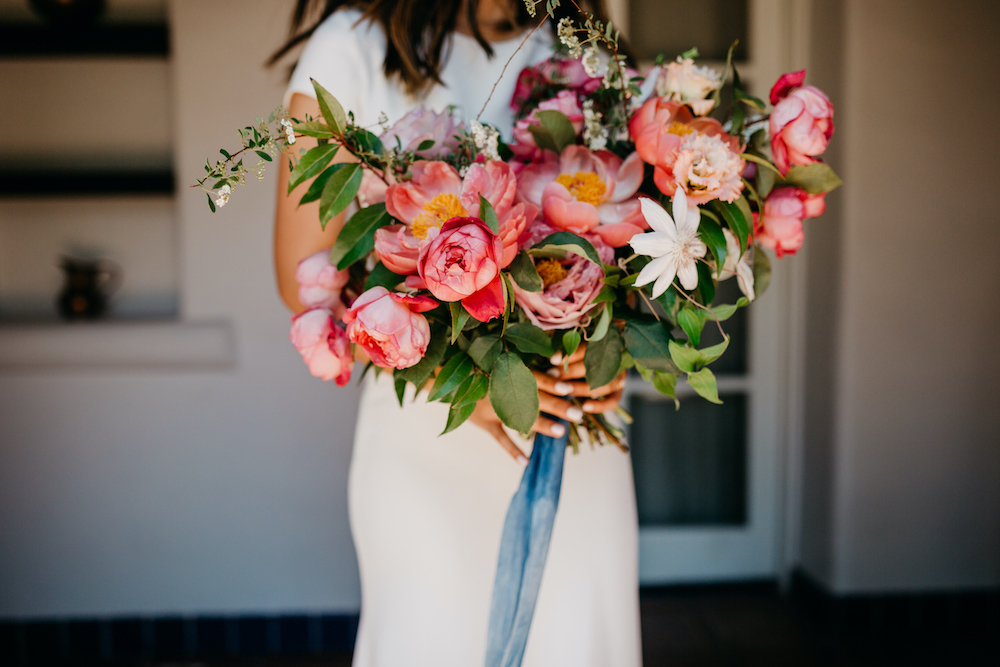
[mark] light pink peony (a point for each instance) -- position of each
(524, 146)
(683, 81)
(587, 191)
(462, 263)
(320, 283)
(372, 190)
(323, 345)
(398, 249)
(571, 285)
(389, 327)
(801, 122)
(420, 125)
(780, 226)
(437, 194)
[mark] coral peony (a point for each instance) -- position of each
(524, 146)
(398, 249)
(389, 327)
(683, 81)
(570, 285)
(323, 345)
(801, 122)
(420, 125)
(587, 191)
(780, 226)
(462, 263)
(320, 283)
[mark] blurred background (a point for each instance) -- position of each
(173, 482)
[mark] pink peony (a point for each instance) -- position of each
(780, 226)
(462, 263)
(801, 122)
(695, 154)
(323, 345)
(389, 327)
(372, 190)
(566, 72)
(524, 146)
(571, 284)
(587, 191)
(320, 283)
(437, 194)
(421, 125)
(398, 249)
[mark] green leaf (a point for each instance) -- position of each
(765, 182)
(423, 369)
(723, 312)
(529, 339)
(744, 207)
(313, 129)
(400, 385)
(485, 350)
(543, 138)
(514, 393)
(264, 156)
(556, 245)
(473, 389)
(426, 144)
(738, 223)
(458, 416)
(459, 316)
(384, 277)
(315, 190)
(717, 95)
(211, 204)
(649, 343)
(764, 162)
(571, 341)
(706, 283)
(603, 358)
(607, 293)
(488, 215)
(710, 354)
(761, 272)
(357, 238)
(601, 330)
(686, 358)
(711, 233)
(523, 271)
(454, 373)
(692, 321)
(311, 164)
(559, 126)
(666, 384)
(704, 383)
(339, 191)
(368, 142)
(332, 112)
(814, 178)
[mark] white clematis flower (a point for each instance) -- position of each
(739, 265)
(673, 243)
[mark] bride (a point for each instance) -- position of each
(427, 511)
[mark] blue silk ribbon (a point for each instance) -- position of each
(524, 546)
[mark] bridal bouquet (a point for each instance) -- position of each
(610, 218)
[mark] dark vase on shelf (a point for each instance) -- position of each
(89, 284)
(65, 13)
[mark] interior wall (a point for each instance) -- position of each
(129, 492)
(915, 466)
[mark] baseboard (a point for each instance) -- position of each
(83, 640)
(884, 617)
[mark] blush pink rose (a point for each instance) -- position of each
(801, 122)
(524, 146)
(420, 125)
(320, 283)
(323, 345)
(780, 226)
(397, 248)
(585, 191)
(389, 327)
(571, 285)
(462, 263)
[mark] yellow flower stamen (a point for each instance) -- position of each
(680, 129)
(551, 271)
(438, 211)
(584, 186)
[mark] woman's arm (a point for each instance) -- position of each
(297, 233)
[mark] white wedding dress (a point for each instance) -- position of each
(427, 511)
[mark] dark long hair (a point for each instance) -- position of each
(416, 30)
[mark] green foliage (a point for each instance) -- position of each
(648, 342)
(514, 393)
(339, 192)
(458, 415)
(488, 215)
(703, 382)
(384, 277)
(558, 244)
(814, 178)
(315, 190)
(311, 164)
(734, 216)
(571, 341)
(459, 316)
(666, 384)
(692, 321)
(711, 233)
(761, 272)
(485, 350)
(523, 271)
(473, 389)
(688, 359)
(603, 323)
(554, 131)
(529, 339)
(452, 374)
(357, 238)
(313, 129)
(603, 358)
(723, 312)
(332, 112)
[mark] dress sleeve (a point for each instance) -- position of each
(336, 57)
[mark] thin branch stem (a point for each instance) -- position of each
(504, 70)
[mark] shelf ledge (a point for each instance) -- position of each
(164, 346)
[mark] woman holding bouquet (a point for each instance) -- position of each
(426, 510)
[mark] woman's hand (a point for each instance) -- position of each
(552, 390)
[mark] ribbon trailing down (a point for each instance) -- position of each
(524, 547)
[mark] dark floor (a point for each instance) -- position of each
(749, 626)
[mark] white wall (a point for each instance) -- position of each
(125, 492)
(903, 487)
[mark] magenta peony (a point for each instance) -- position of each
(323, 345)
(462, 263)
(320, 283)
(389, 327)
(801, 123)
